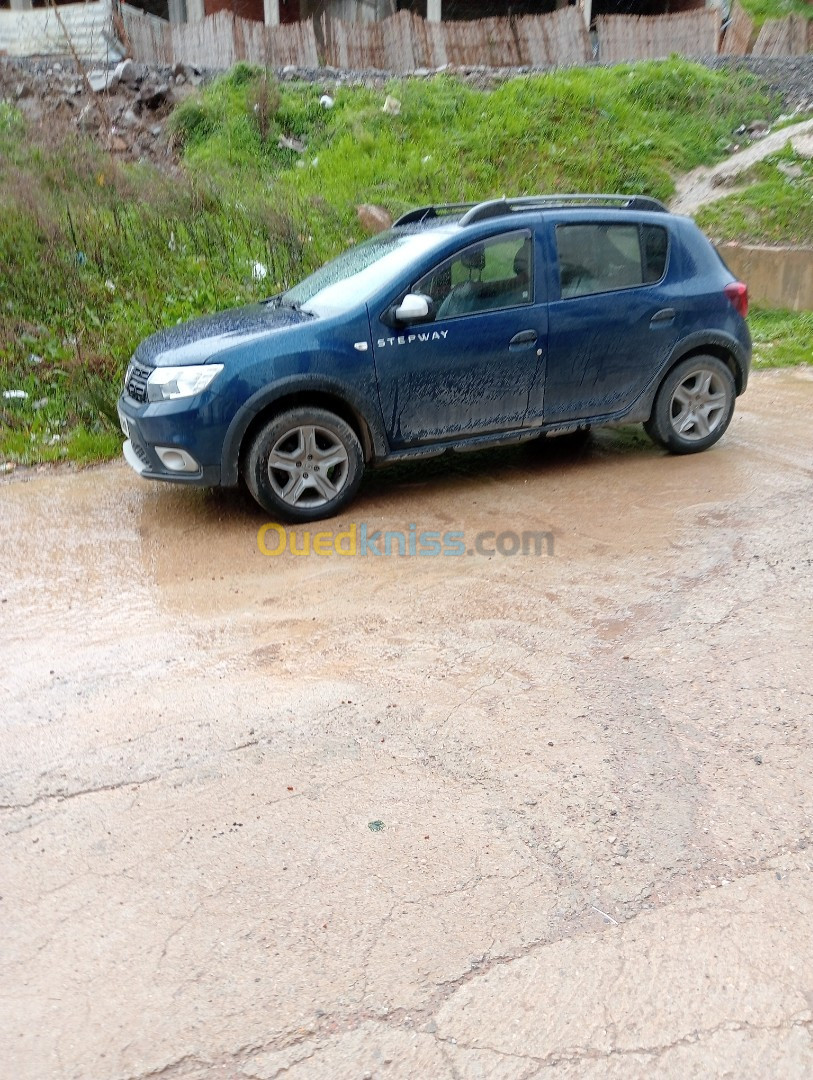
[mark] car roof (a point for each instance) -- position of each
(464, 214)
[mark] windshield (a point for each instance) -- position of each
(354, 276)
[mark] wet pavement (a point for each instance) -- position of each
(477, 815)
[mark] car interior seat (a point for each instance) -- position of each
(464, 296)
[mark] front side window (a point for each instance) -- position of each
(486, 276)
(596, 258)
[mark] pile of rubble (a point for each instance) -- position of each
(791, 77)
(125, 107)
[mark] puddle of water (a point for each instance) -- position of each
(121, 546)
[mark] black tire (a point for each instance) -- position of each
(693, 406)
(304, 465)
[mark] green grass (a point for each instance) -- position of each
(95, 255)
(628, 129)
(776, 207)
(781, 338)
(760, 10)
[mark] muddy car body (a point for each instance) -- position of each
(460, 327)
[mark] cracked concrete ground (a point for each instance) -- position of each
(593, 772)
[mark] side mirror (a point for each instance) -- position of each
(412, 308)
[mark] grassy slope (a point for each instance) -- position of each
(781, 338)
(776, 208)
(627, 128)
(760, 10)
(94, 255)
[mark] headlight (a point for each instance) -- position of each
(168, 383)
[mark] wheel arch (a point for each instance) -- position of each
(720, 352)
(722, 348)
(260, 410)
(695, 432)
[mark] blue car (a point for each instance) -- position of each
(462, 326)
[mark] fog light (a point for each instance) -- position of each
(176, 460)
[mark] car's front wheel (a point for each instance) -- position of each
(693, 406)
(304, 465)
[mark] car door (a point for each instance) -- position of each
(616, 319)
(470, 367)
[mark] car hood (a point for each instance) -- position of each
(204, 339)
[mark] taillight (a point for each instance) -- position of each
(737, 293)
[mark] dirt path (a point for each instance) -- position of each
(704, 185)
(401, 817)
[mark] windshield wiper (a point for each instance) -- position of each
(290, 305)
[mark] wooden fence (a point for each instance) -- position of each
(402, 43)
(146, 37)
(219, 41)
(652, 37)
(405, 43)
(739, 33)
(783, 37)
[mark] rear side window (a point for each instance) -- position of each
(596, 258)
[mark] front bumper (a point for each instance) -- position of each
(144, 440)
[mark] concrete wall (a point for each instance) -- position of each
(776, 277)
(38, 33)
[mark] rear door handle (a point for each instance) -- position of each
(524, 338)
(664, 315)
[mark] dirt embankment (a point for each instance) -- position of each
(705, 185)
(128, 113)
(125, 107)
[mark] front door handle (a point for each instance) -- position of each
(525, 338)
(664, 315)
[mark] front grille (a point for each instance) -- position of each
(136, 382)
(140, 451)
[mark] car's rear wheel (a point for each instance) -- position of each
(304, 465)
(693, 406)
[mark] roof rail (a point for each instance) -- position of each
(492, 208)
(498, 207)
(423, 213)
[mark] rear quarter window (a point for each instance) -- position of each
(597, 257)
